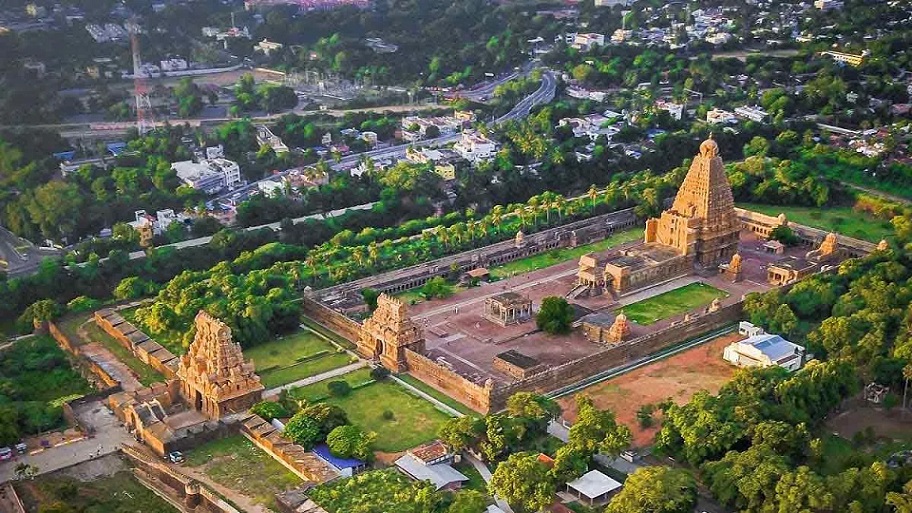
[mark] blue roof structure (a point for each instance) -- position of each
(326, 455)
(116, 148)
(774, 347)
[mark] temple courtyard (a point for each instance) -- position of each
(459, 335)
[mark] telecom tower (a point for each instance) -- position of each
(144, 120)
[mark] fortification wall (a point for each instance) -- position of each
(331, 319)
(478, 397)
(143, 347)
(89, 369)
(577, 370)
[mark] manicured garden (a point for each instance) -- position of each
(562, 255)
(671, 303)
(318, 391)
(146, 374)
(118, 493)
(235, 462)
(411, 420)
(842, 220)
(293, 357)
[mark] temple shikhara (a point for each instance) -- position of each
(700, 229)
(215, 379)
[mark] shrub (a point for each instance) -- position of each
(269, 410)
(555, 316)
(83, 304)
(644, 416)
(378, 373)
(303, 430)
(338, 388)
(388, 415)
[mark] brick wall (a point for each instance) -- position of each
(90, 370)
(331, 319)
(305, 464)
(478, 397)
(155, 356)
(577, 370)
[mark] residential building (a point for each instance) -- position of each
(593, 487)
(676, 110)
(828, 5)
(209, 175)
(847, 58)
(475, 148)
(346, 467)
(765, 350)
(586, 41)
(265, 136)
(718, 38)
(721, 117)
(754, 113)
(271, 188)
(431, 462)
(621, 35)
(174, 65)
(611, 3)
(267, 47)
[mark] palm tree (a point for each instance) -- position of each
(373, 252)
(520, 212)
(559, 203)
(497, 216)
(592, 193)
(443, 236)
(907, 374)
(547, 198)
(358, 253)
(534, 203)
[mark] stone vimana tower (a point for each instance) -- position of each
(389, 332)
(215, 379)
(702, 221)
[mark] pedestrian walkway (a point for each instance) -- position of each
(486, 475)
(315, 379)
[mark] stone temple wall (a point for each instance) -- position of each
(331, 319)
(477, 397)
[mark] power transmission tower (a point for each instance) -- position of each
(144, 119)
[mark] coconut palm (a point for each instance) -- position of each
(593, 194)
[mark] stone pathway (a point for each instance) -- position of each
(486, 475)
(272, 392)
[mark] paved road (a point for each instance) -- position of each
(17, 262)
(109, 435)
(486, 475)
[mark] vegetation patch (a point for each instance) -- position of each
(235, 462)
(842, 220)
(414, 421)
(118, 493)
(671, 303)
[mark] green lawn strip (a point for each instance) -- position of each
(558, 256)
(671, 303)
(436, 394)
(118, 492)
(837, 454)
(146, 374)
(319, 390)
(476, 482)
(283, 352)
(415, 421)
(235, 462)
(285, 375)
(310, 323)
(842, 220)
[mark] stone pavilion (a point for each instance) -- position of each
(215, 379)
(508, 308)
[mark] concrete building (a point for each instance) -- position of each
(431, 462)
(676, 110)
(754, 113)
(268, 47)
(475, 148)
(721, 117)
(586, 41)
(828, 5)
(765, 350)
(208, 175)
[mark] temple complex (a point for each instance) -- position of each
(508, 308)
(701, 228)
(388, 333)
(215, 379)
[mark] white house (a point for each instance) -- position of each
(721, 117)
(754, 113)
(267, 47)
(676, 110)
(208, 175)
(586, 41)
(475, 148)
(765, 350)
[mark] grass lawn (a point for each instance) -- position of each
(440, 396)
(319, 391)
(69, 325)
(118, 492)
(415, 421)
(671, 303)
(315, 326)
(558, 256)
(276, 360)
(842, 220)
(146, 374)
(236, 463)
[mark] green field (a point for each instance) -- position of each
(415, 421)
(279, 361)
(146, 375)
(558, 256)
(671, 303)
(117, 493)
(842, 220)
(436, 394)
(318, 391)
(235, 462)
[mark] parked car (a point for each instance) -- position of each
(21, 448)
(176, 457)
(6, 453)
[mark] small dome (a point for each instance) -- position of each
(709, 148)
